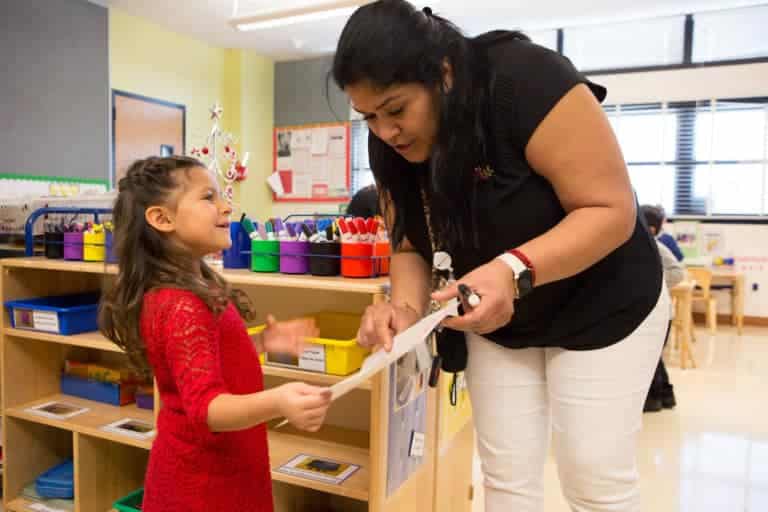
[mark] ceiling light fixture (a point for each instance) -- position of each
(297, 15)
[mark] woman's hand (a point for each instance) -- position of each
(381, 322)
(494, 282)
(286, 337)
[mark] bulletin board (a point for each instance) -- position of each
(313, 162)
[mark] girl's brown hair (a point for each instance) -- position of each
(147, 259)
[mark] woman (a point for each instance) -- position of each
(502, 145)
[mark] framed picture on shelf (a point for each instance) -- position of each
(319, 468)
(131, 427)
(57, 410)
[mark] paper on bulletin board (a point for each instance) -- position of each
(313, 163)
(276, 184)
(319, 141)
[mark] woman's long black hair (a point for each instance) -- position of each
(389, 42)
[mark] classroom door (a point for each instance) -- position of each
(143, 127)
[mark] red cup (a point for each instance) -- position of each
(356, 260)
(382, 252)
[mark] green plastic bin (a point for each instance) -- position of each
(130, 503)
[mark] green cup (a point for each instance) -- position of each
(265, 255)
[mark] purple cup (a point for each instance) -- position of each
(294, 257)
(73, 246)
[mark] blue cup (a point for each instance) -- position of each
(239, 255)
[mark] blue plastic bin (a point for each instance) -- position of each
(57, 482)
(104, 392)
(64, 314)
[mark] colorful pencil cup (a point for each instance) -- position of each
(324, 259)
(237, 255)
(265, 255)
(381, 252)
(73, 245)
(94, 248)
(54, 245)
(293, 257)
(356, 260)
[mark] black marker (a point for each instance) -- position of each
(471, 297)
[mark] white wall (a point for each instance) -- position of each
(687, 84)
(746, 241)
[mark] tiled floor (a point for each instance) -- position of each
(710, 454)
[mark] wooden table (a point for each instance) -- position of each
(736, 280)
(683, 321)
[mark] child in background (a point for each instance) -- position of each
(169, 311)
(365, 203)
(661, 394)
(655, 216)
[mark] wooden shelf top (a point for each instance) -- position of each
(284, 446)
(87, 339)
(242, 277)
(42, 263)
(97, 341)
(89, 422)
(20, 505)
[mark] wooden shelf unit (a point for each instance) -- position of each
(89, 422)
(109, 466)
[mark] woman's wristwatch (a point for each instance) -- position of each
(522, 268)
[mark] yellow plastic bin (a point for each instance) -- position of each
(334, 352)
(94, 246)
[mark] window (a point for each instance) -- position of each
(697, 158)
(362, 176)
(637, 43)
(730, 155)
(647, 135)
(731, 34)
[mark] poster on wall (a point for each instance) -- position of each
(312, 163)
(687, 237)
(713, 240)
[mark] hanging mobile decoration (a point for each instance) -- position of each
(220, 156)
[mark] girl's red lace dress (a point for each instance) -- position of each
(196, 356)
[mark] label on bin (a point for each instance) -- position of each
(313, 358)
(45, 321)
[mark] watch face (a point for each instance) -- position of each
(525, 282)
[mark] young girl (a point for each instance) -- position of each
(170, 312)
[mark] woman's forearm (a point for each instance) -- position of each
(584, 237)
(410, 281)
